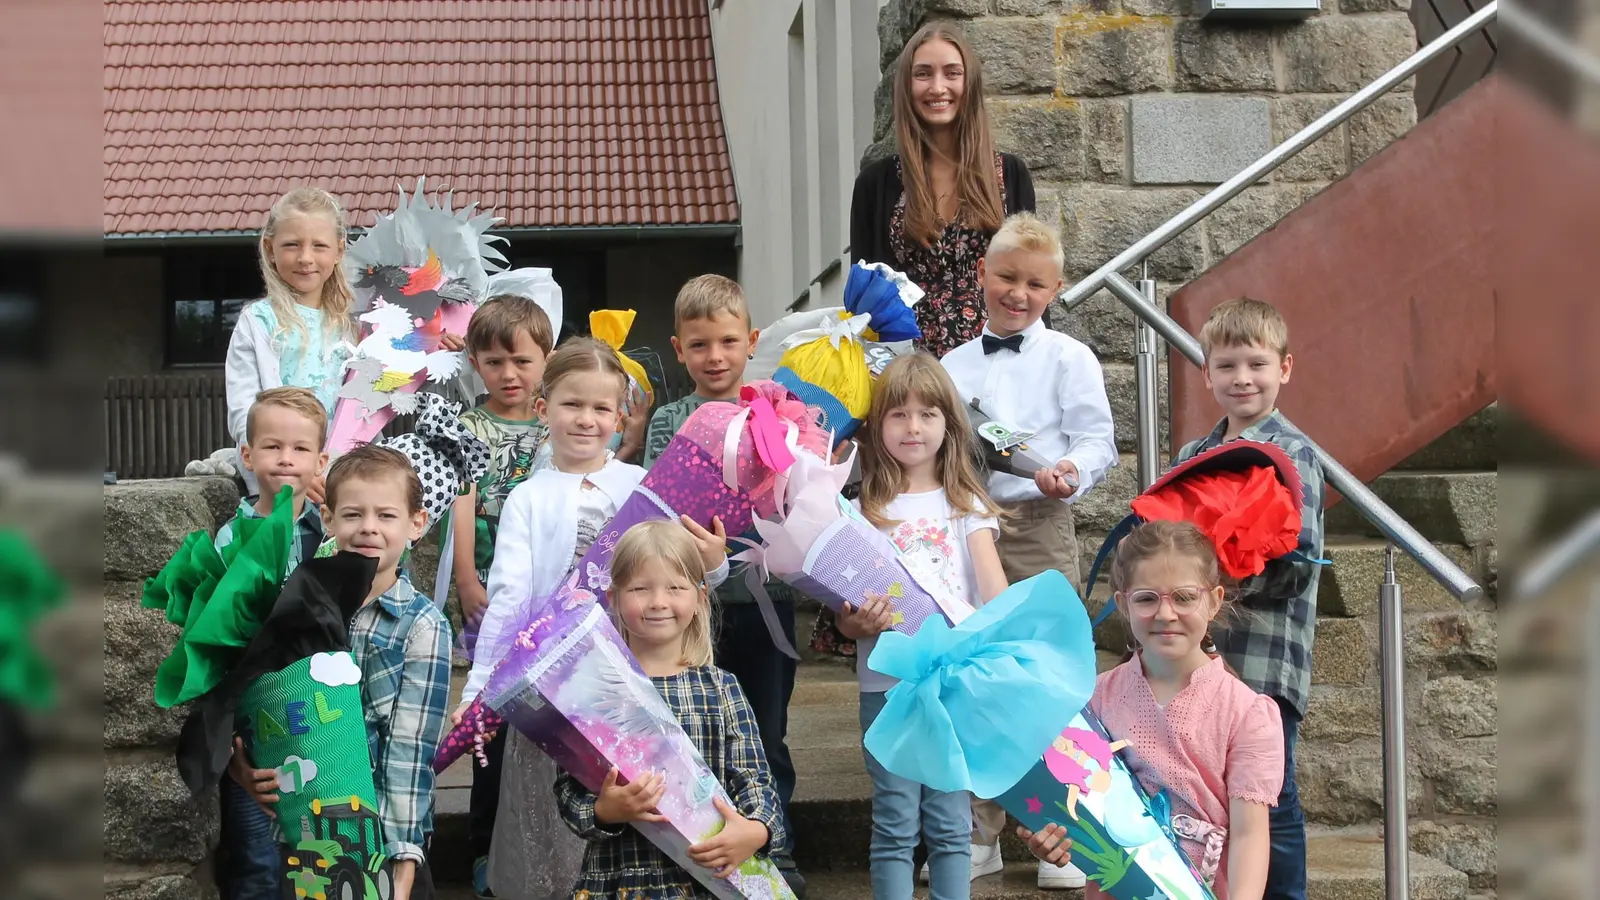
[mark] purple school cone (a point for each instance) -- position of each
(572, 686)
(852, 559)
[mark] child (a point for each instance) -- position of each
(1195, 728)
(660, 605)
(547, 523)
(507, 342)
(294, 336)
(919, 486)
(284, 434)
(713, 339)
(402, 644)
(1246, 344)
(1034, 379)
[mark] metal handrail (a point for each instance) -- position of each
(1109, 276)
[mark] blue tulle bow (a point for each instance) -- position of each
(870, 292)
(978, 703)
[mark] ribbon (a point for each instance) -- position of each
(775, 439)
(753, 566)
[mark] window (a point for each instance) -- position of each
(22, 322)
(205, 290)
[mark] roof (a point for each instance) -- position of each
(553, 114)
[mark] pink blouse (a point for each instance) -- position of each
(1216, 740)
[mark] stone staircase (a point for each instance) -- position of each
(1447, 491)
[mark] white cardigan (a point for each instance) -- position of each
(534, 551)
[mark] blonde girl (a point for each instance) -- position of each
(920, 487)
(293, 336)
(548, 522)
(660, 602)
(1200, 732)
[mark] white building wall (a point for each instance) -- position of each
(796, 78)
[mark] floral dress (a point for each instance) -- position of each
(951, 313)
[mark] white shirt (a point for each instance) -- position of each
(933, 543)
(1052, 387)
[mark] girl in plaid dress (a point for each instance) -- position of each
(661, 606)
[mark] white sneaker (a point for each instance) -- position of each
(986, 860)
(1056, 878)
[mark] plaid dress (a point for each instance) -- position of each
(1270, 645)
(619, 863)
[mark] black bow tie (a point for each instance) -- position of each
(993, 345)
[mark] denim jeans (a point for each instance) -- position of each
(254, 870)
(745, 651)
(1286, 868)
(901, 811)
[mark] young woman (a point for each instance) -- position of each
(931, 209)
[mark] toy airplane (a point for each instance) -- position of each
(1005, 449)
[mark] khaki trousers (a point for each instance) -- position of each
(1038, 535)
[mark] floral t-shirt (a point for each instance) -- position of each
(311, 360)
(513, 452)
(932, 540)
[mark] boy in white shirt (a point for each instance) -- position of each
(1031, 378)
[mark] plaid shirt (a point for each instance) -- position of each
(1270, 647)
(307, 531)
(619, 861)
(402, 644)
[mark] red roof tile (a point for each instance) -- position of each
(581, 112)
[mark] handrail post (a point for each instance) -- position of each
(1396, 840)
(1145, 383)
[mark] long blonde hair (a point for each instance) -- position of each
(337, 298)
(671, 543)
(919, 376)
(977, 188)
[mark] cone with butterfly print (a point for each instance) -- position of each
(570, 684)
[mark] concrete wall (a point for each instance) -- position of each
(796, 79)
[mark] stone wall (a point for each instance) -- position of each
(1127, 111)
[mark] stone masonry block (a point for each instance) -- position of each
(1343, 652)
(164, 887)
(1342, 714)
(1105, 140)
(1014, 54)
(1197, 139)
(1104, 324)
(1248, 214)
(1107, 503)
(1464, 846)
(1446, 507)
(1102, 55)
(964, 8)
(1349, 587)
(1459, 642)
(145, 521)
(1365, 6)
(1334, 54)
(1323, 160)
(151, 818)
(68, 637)
(1342, 784)
(883, 107)
(59, 805)
(1387, 120)
(1463, 775)
(60, 518)
(136, 640)
(1122, 393)
(1100, 222)
(1462, 707)
(1231, 57)
(1046, 133)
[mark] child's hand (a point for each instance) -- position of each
(635, 421)
(738, 840)
(258, 783)
(634, 802)
(452, 342)
(713, 544)
(474, 600)
(317, 490)
(1051, 845)
(867, 620)
(1060, 482)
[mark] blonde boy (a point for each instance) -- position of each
(1033, 379)
(1246, 344)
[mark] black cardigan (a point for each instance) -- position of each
(878, 189)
